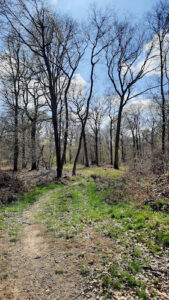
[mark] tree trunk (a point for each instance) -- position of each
(58, 154)
(137, 141)
(33, 145)
(78, 152)
(116, 158)
(85, 120)
(96, 148)
(168, 135)
(111, 142)
(163, 127)
(85, 150)
(16, 146)
(57, 142)
(134, 146)
(54, 117)
(163, 99)
(70, 154)
(123, 149)
(63, 158)
(59, 159)
(23, 150)
(100, 150)
(152, 139)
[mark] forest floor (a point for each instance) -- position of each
(100, 235)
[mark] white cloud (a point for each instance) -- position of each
(54, 2)
(79, 80)
(140, 103)
(77, 87)
(153, 65)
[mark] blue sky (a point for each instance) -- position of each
(79, 8)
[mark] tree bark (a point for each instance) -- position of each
(23, 150)
(111, 142)
(78, 152)
(54, 117)
(16, 146)
(123, 150)
(87, 112)
(134, 145)
(163, 99)
(96, 148)
(33, 145)
(57, 145)
(85, 150)
(70, 153)
(116, 158)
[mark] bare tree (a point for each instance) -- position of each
(134, 121)
(95, 120)
(33, 105)
(152, 120)
(58, 44)
(78, 109)
(95, 35)
(23, 128)
(11, 81)
(111, 105)
(125, 46)
(158, 21)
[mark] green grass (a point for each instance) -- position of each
(117, 278)
(27, 199)
(99, 171)
(106, 281)
(142, 294)
(134, 266)
(84, 270)
(15, 209)
(14, 240)
(69, 210)
(59, 272)
(100, 202)
(11, 233)
(96, 203)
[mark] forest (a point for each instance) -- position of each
(84, 153)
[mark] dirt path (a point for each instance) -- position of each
(42, 267)
(39, 265)
(32, 265)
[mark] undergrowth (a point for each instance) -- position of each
(10, 212)
(99, 200)
(102, 202)
(68, 211)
